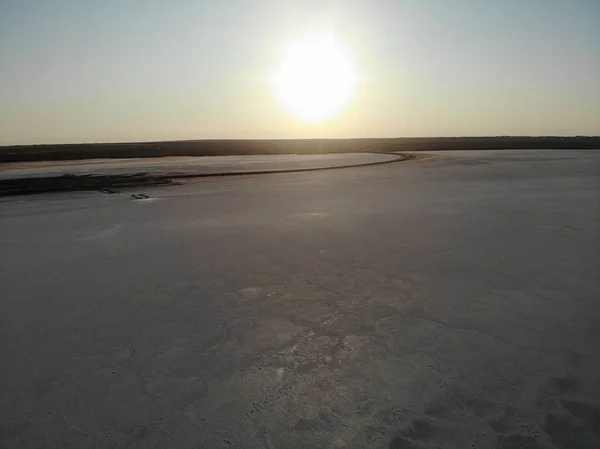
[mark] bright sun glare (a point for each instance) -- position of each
(315, 79)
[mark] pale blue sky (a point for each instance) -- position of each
(131, 70)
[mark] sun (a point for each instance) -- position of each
(315, 79)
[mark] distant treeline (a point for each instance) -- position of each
(22, 153)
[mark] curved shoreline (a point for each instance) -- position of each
(107, 183)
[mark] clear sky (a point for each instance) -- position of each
(141, 70)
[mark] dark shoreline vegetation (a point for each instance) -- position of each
(110, 184)
(56, 152)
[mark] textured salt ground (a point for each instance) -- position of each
(446, 302)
